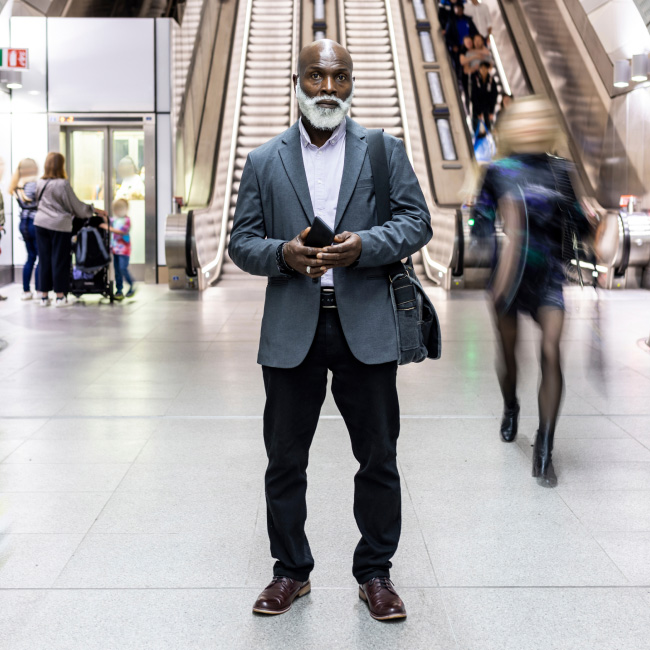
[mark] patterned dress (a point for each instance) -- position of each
(532, 181)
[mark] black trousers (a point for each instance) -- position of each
(366, 396)
(54, 251)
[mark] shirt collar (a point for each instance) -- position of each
(338, 133)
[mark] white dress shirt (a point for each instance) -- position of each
(481, 15)
(324, 170)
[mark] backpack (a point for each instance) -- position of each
(90, 253)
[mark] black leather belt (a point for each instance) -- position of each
(327, 299)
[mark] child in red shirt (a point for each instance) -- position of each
(121, 246)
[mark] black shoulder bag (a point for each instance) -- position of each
(418, 328)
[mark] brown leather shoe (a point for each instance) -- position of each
(278, 597)
(383, 602)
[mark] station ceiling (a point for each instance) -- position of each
(99, 8)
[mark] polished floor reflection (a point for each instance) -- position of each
(132, 467)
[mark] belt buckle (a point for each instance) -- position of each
(327, 295)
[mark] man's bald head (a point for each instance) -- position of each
(323, 51)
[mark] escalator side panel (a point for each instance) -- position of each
(201, 188)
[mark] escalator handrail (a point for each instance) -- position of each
(459, 267)
(398, 80)
(625, 257)
(189, 245)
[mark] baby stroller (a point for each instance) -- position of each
(90, 268)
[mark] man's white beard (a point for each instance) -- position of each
(322, 117)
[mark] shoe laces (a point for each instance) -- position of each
(385, 582)
(285, 583)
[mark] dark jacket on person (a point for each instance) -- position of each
(274, 205)
(534, 178)
(454, 33)
(484, 95)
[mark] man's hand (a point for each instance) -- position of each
(345, 251)
(301, 258)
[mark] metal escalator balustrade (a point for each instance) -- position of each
(267, 95)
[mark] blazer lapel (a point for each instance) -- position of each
(291, 155)
(355, 153)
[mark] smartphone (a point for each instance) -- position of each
(320, 235)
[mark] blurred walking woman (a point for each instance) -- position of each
(23, 189)
(532, 193)
(57, 207)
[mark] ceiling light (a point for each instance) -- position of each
(14, 85)
(640, 67)
(621, 73)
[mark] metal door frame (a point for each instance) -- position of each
(66, 122)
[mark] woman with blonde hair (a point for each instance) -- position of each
(23, 189)
(57, 206)
(531, 190)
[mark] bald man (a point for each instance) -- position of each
(328, 309)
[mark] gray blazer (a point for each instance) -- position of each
(274, 205)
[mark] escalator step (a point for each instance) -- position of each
(381, 110)
(270, 100)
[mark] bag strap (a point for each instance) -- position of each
(380, 174)
(381, 181)
(40, 194)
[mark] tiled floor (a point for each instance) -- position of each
(132, 468)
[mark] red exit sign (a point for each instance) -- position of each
(14, 59)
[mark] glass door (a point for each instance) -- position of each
(128, 182)
(87, 165)
(107, 161)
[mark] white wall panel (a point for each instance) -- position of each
(31, 32)
(5, 17)
(5, 155)
(101, 64)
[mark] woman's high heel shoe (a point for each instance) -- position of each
(543, 469)
(510, 422)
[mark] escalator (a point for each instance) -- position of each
(267, 105)
(366, 33)
(258, 104)
(392, 91)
